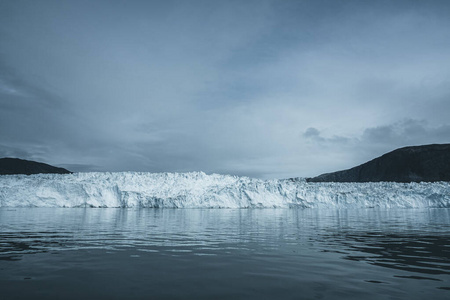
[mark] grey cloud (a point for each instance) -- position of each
(8, 151)
(311, 132)
(374, 141)
(221, 86)
(407, 132)
(314, 134)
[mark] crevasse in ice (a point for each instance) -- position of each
(198, 190)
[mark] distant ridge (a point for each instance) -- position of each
(428, 163)
(10, 166)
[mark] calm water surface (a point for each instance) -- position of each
(56, 253)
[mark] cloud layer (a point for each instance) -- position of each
(257, 88)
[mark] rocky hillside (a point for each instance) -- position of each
(9, 166)
(428, 163)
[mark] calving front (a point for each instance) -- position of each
(198, 190)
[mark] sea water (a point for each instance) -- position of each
(119, 253)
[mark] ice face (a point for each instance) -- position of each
(198, 190)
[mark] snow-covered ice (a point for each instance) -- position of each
(198, 190)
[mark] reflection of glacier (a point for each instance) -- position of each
(200, 190)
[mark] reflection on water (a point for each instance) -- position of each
(423, 254)
(388, 249)
(410, 240)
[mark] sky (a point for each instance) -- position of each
(266, 89)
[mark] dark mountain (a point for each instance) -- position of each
(10, 166)
(410, 164)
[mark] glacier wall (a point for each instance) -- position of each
(198, 190)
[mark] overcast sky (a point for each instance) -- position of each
(268, 89)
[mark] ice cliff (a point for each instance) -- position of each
(198, 190)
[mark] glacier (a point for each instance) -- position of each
(199, 190)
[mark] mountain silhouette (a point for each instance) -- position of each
(428, 163)
(9, 166)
